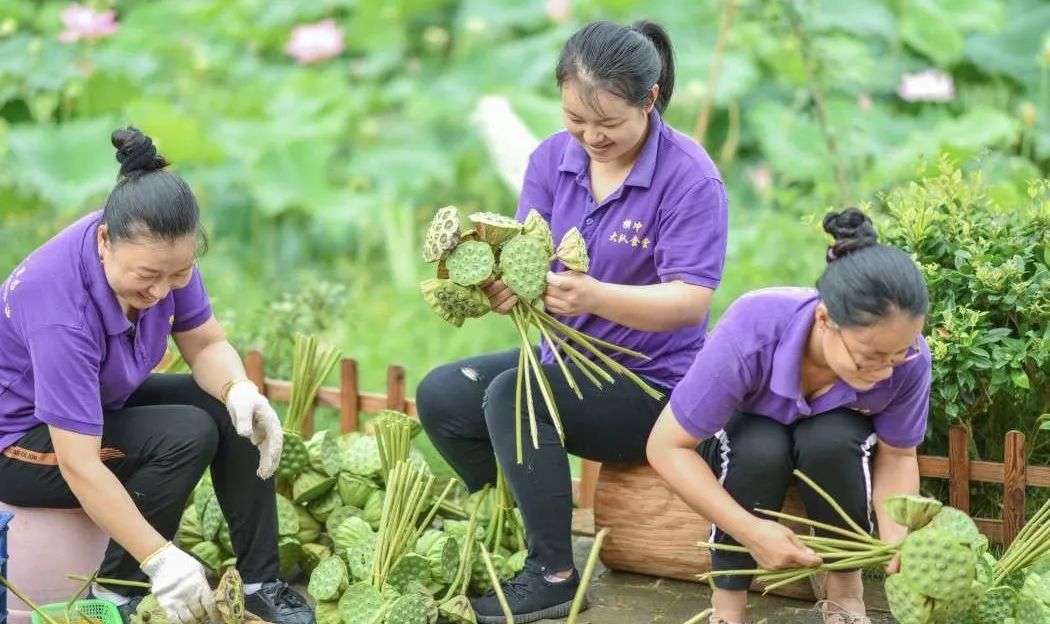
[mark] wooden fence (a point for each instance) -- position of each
(1013, 473)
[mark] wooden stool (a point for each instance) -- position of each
(651, 531)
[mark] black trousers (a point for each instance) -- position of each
(159, 446)
(754, 457)
(467, 409)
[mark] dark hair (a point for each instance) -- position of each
(624, 60)
(148, 201)
(864, 280)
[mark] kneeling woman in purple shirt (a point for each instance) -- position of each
(653, 211)
(814, 380)
(83, 423)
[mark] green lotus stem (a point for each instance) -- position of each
(569, 379)
(108, 581)
(76, 596)
(25, 599)
(582, 338)
(434, 509)
(497, 585)
(588, 571)
(583, 362)
(830, 542)
(545, 386)
(530, 357)
(545, 391)
(831, 501)
(725, 547)
(517, 404)
(815, 524)
(699, 617)
(1030, 544)
(464, 561)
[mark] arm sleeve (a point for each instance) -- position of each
(192, 304)
(536, 191)
(903, 422)
(713, 387)
(66, 363)
(691, 243)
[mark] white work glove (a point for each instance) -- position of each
(254, 418)
(178, 583)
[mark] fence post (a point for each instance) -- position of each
(589, 482)
(255, 367)
(1013, 486)
(395, 388)
(959, 468)
(349, 398)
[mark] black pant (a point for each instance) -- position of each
(159, 446)
(469, 417)
(754, 457)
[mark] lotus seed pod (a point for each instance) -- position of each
(389, 594)
(362, 458)
(309, 528)
(373, 511)
(470, 264)
(453, 302)
(361, 604)
(913, 512)
(536, 227)
(223, 538)
(324, 453)
(443, 558)
(408, 609)
(209, 554)
(936, 565)
(442, 235)
(457, 610)
(229, 597)
(211, 519)
(514, 564)
(360, 557)
(995, 606)
(409, 568)
(312, 555)
(351, 532)
(190, 531)
(328, 612)
(287, 517)
(294, 456)
(289, 552)
(338, 515)
(572, 251)
(328, 580)
(524, 264)
(494, 228)
(323, 505)
(907, 605)
(355, 490)
(201, 497)
(149, 611)
(311, 485)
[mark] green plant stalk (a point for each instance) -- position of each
(834, 554)
(517, 405)
(584, 363)
(526, 355)
(569, 379)
(700, 132)
(109, 581)
(462, 578)
(817, 525)
(76, 596)
(699, 617)
(545, 391)
(497, 585)
(25, 599)
(585, 580)
(1031, 544)
(831, 501)
(584, 339)
(437, 506)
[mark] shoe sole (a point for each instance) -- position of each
(555, 612)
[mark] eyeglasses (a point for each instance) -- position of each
(913, 352)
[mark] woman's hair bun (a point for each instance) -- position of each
(851, 229)
(136, 152)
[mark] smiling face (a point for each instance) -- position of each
(143, 270)
(609, 128)
(864, 356)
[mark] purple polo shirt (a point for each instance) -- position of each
(668, 221)
(750, 364)
(67, 351)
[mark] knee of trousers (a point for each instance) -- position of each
(841, 440)
(436, 402)
(192, 433)
(753, 452)
(499, 402)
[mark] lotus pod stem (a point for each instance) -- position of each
(497, 585)
(585, 580)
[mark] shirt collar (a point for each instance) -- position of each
(574, 158)
(114, 321)
(787, 357)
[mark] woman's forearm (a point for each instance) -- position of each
(110, 507)
(653, 308)
(893, 474)
(216, 365)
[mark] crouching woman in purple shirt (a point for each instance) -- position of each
(818, 381)
(653, 211)
(84, 319)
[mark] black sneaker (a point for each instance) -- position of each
(531, 598)
(127, 609)
(278, 603)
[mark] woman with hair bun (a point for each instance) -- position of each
(84, 320)
(834, 382)
(652, 210)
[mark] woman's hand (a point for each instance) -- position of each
(570, 293)
(255, 419)
(774, 546)
(501, 298)
(894, 566)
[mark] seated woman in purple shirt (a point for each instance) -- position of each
(653, 212)
(814, 380)
(85, 319)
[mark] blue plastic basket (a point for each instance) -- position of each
(5, 519)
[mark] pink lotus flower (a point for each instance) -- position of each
(312, 43)
(83, 22)
(559, 11)
(928, 86)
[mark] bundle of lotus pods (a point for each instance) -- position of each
(946, 572)
(520, 254)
